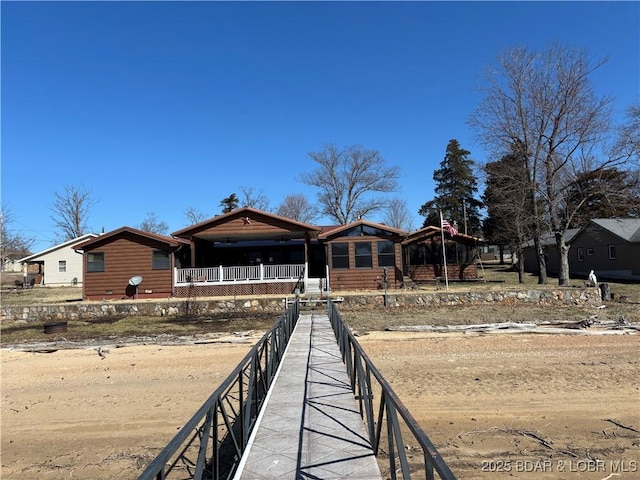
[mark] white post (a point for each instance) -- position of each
(220, 273)
(261, 271)
(444, 252)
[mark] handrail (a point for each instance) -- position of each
(212, 442)
(390, 409)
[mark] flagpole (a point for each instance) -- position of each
(444, 252)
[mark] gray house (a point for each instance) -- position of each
(609, 246)
(552, 256)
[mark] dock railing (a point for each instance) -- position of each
(388, 422)
(210, 445)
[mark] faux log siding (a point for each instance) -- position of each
(125, 257)
(353, 278)
(258, 226)
(425, 273)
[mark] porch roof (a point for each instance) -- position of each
(248, 223)
(169, 241)
(431, 231)
(330, 232)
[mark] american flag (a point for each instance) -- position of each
(452, 230)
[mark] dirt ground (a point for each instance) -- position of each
(496, 406)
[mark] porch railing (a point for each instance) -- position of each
(243, 273)
(210, 445)
(393, 428)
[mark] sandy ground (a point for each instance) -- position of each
(496, 406)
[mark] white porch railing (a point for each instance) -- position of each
(247, 273)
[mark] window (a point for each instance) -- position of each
(580, 254)
(95, 262)
(160, 260)
(386, 254)
(340, 255)
(363, 255)
(590, 252)
(62, 265)
(612, 252)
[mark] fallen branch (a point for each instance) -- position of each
(618, 424)
(522, 433)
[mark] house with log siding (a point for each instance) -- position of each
(252, 252)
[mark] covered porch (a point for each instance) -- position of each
(423, 256)
(248, 252)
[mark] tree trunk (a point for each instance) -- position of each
(520, 267)
(542, 263)
(563, 249)
(501, 247)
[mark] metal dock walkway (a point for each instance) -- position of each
(311, 426)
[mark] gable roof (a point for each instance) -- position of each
(247, 214)
(333, 231)
(170, 241)
(549, 239)
(627, 229)
(68, 243)
(430, 231)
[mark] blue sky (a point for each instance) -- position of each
(160, 106)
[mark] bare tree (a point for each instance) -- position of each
(195, 216)
(71, 211)
(542, 106)
(347, 179)
(397, 215)
(13, 245)
(250, 197)
(152, 224)
(297, 207)
(628, 141)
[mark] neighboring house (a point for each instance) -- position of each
(552, 256)
(423, 259)
(112, 259)
(57, 266)
(609, 246)
(362, 254)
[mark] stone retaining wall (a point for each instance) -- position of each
(89, 310)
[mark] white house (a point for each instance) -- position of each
(57, 266)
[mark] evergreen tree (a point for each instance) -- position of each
(229, 203)
(509, 220)
(456, 187)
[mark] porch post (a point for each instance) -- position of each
(307, 241)
(193, 253)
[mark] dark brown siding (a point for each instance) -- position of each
(126, 256)
(364, 278)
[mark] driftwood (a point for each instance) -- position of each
(567, 328)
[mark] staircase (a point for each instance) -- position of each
(312, 287)
(408, 283)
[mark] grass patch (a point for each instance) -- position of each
(113, 327)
